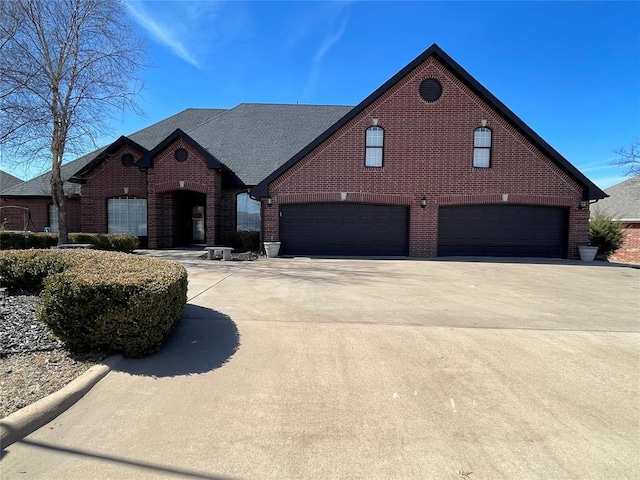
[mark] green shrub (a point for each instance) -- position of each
(106, 301)
(119, 242)
(248, 241)
(26, 270)
(17, 240)
(605, 233)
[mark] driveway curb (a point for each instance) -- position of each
(19, 424)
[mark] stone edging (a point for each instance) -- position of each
(19, 424)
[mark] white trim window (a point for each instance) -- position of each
(482, 147)
(53, 218)
(374, 147)
(247, 213)
(127, 215)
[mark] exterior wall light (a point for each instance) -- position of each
(583, 205)
(423, 202)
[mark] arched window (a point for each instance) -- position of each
(482, 147)
(247, 213)
(127, 215)
(374, 147)
(53, 218)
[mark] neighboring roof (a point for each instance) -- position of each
(7, 180)
(147, 138)
(623, 202)
(40, 186)
(592, 192)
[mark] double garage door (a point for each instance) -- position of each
(502, 231)
(482, 230)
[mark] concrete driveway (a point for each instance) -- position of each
(330, 368)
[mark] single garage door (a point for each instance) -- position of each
(343, 229)
(502, 230)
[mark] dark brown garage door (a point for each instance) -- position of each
(502, 230)
(343, 229)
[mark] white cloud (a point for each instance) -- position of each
(183, 27)
(328, 43)
(605, 182)
(325, 46)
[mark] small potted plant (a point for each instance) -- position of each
(605, 237)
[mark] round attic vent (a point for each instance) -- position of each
(430, 90)
(127, 159)
(180, 154)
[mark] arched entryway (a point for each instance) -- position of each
(179, 219)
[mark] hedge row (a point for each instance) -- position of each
(105, 301)
(119, 242)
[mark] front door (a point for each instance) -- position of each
(197, 224)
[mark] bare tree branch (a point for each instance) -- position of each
(66, 66)
(629, 157)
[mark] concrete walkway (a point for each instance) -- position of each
(308, 369)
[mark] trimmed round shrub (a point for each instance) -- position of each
(26, 270)
(106, 301)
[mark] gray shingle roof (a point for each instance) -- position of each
(251, 139)
(623, 202)
(187, 119)
(255, 139)
(7, 180)
(40, 187)
(147, 137)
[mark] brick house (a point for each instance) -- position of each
(431, 163)
(623, 205)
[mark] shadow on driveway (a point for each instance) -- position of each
(202, 341)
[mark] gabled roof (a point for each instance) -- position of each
(147, 138)
(591, 190)
(623, 202)
(7, 180)
(80, 175)
(255, 139)
(147, 160)
(250, 140)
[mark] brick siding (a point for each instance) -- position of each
(39, 208)
(630, 250)
(164, 178)
(108, 180)
(428, 151)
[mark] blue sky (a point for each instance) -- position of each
(570, 70)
